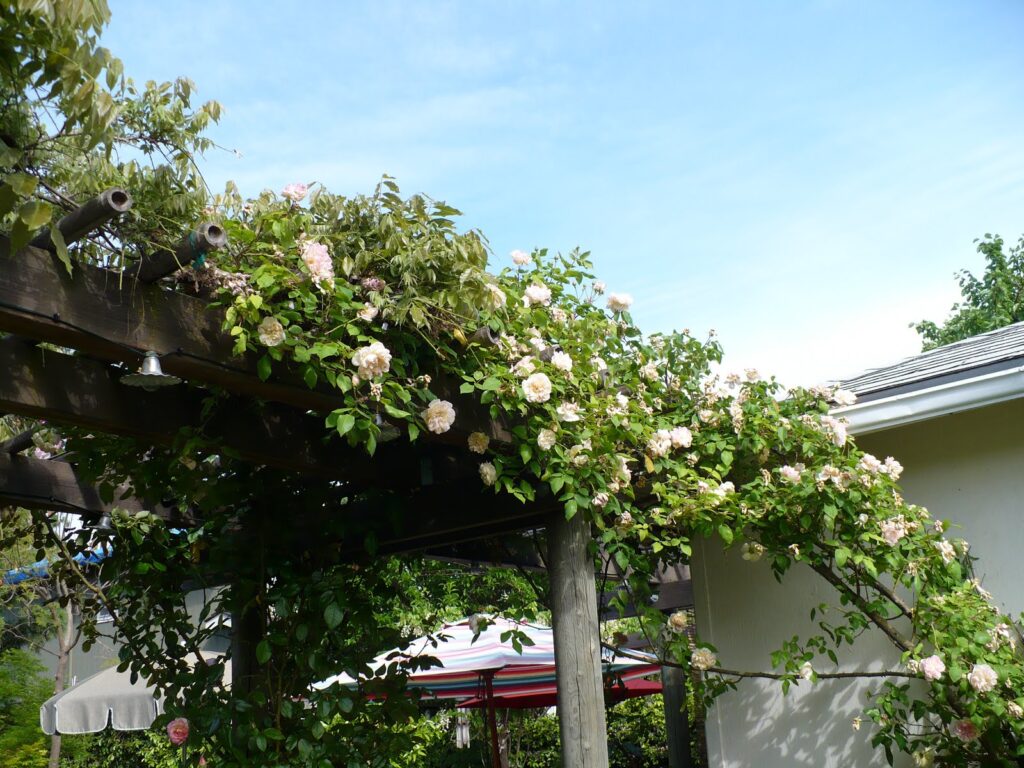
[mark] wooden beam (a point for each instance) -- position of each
(52, 485)
(581, 721)
(106, 315)
(86, 393)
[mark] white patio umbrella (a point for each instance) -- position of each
(106, 699)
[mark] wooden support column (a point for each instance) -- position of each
(677, 724)
(577, 643)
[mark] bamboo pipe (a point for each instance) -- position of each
(84, 219)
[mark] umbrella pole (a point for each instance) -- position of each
(492, 721)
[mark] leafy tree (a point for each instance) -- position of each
(22, 690)
(994, 300)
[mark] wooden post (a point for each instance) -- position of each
(492, 720)
(677, 725)
(581, 720)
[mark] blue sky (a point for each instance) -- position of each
(803, 176)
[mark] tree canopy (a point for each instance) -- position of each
(994, 300)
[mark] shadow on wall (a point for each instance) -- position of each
(747, 614)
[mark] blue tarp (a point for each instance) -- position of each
(41, 569)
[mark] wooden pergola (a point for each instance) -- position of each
(111, 318)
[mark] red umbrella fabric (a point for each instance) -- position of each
(630, 689)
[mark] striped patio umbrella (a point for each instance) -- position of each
(484, 669)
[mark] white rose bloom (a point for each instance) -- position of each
(546, 439)
(1015, 710)
(439, 416)
(649, 371)
(869, 464)
(372, 360)
(660, 443)
(725, 489)
(568, 412)
(271, 332)
(933, 668)
(924, 759)
(844, 397)
(478, 442)
(537, 388)
(599, 499)
(893, 468)
(599, 287)
(559, 315)
(703, 659)
(368, 312)
(599, 364)
(488, 473)
(619, 302)
(681, 437)
(496, 296)
(524, 367)
(562, 361)
(806, 670)
(520, 258)
(947, 550)
(752, 551)
(536, 293)
(677, 622)
(983, 678)
(790, 474)
(893, 530)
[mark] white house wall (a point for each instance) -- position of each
(967, 468)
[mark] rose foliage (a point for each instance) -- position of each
(383, 301)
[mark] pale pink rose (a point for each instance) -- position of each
(844, 397)
(317, 259)
(893, 530)
(439, 416)
(703, 659)
(546, 439)
(536, 293)
(619, 302)
(372, 360)
(681, 437)
(789, 474)
(660, 443)
(177, 731)
(520, 258)
(893, 468)
(295, 192)
(677, 622)
(983, 678)
(562, 361)
(933, 668)
(965, 730)
(537, 388)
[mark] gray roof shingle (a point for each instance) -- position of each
(985, 353)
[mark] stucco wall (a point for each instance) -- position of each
(967, 468)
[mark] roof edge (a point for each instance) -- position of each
(923, 404)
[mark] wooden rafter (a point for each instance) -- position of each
(106, 315)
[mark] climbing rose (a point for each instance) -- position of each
(318, 261)
(600, 499)
(537, 388)
(271, 332)
(790, 474)
(924, 759)
(294, 192)
(367, 313)
(568, 412)
(983, 678)
(546, 439)
(496, 296)
(649, 371)
(677, 622)
(599, 287)
(752, 551)
(478, 442)
(439, 416)
(562, 361)
(177, 731)
(488, 473)
(681, 437)
(893, 530)
(520, 258)
(806, 670)
(1015, 710)
(537, 293)
(703, 659)
(965, 730)
(844, 397)
(947, 550)
(893, 468)
(524, 367)
(372, 360)
(660, 443)
(933, 668)
(619, 302)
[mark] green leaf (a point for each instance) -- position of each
(333, 615)
(397, 413)
(725, 532)
(346, 705)
(556, 483)
(263, 368)
(35, 214)
(467, 387)
(309, 376)
(263, 652)
(842, 555)
(61, 248)
(345, 423)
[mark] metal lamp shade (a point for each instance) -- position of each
(150, 376)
